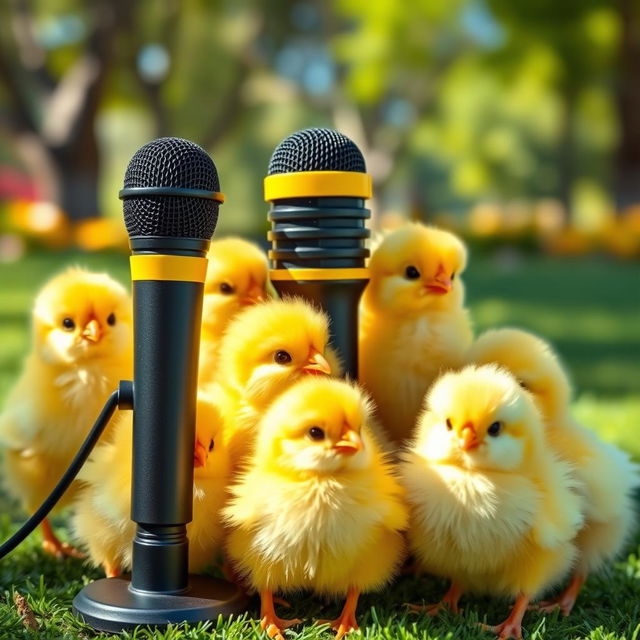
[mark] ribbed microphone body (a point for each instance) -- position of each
(317, 186)
(171, 199)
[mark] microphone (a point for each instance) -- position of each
(317, 184)
(171, 198)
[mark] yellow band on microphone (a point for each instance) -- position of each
(311, 184)
(162, 267)
(319, 274)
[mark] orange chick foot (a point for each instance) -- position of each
(505, 630)
(53, 545)
(62, 550)
(342, 625)
(449, 601)
(565, 601)
(111, 570)
(282, 602)
(346, 621)
(274, 626)
(512, 626)
(269, 621)
(431, 610)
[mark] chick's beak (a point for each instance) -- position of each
(317, 364)
(468, 437)
(254, 295)
(440, 284)
(350, 443)
(92, 331)
(199, 455)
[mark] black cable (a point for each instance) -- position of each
(70, 474)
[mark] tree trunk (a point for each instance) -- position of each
(52, 122)
(566, 152)
(627, 162)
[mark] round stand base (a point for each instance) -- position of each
(111, 605)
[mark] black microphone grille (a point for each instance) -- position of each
(172, 165)
(316, 150)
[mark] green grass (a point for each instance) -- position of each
(589, 308)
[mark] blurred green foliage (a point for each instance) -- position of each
(452, 101)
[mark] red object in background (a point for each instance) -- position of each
(17, 186)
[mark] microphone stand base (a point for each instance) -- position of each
(111, 605)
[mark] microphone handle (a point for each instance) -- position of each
(167, 320)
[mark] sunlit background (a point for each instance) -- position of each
(516, 124)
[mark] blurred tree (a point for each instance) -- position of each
(391, 60)
(187, 63)
(580, 37)
(53, 71)
(450, 100)
(627, 183)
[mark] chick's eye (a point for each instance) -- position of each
(226, 288)
(453, 277)
(282, 357)
(316, 433)
(111, 319)
(68, 324)
(495, 428)
(411, 273)
(523, 385)
(449, 425)
(211, 445)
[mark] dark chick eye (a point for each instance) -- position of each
(494, 429)
(453, 277)
(449, 425)
(68, 324)
(226, 288)
(111, 319)
(211, 445)
(316, 433)
(523, 385)
(411, 273)
(282, 357)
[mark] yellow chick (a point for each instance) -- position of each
(265, 349)
(607, 475)
(237, 276)
(102, 520)
(413, 324)
(82, 348)
(492, 507)
(318, 507)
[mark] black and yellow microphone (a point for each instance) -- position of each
(317, 186)
(171, 197)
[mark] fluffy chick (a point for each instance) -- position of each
(413, 324)
(265, 349)
(237, 276)
(492, 507)
(102, 520)
(606, 474)
(82, 348)
(318, 507)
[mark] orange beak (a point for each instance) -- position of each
(317, 364)
(200, 455)
(468, 437)
(254, 295)
(440, 284)
(350, 443)
(92, 331)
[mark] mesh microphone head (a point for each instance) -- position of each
(316, 150)
(177, 163)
